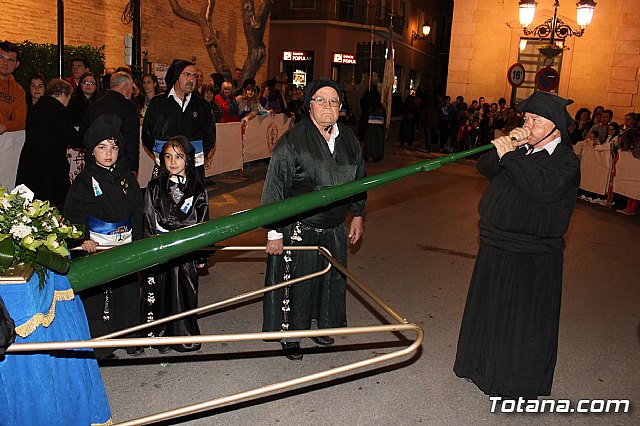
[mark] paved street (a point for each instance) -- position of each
(417, 252)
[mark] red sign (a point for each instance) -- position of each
(297, 55)
(547, 79)
(516, 74)
(344, 58)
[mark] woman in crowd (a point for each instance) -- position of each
(85, 95)
(231, 113)
(613, 130)
(583, 122)
(248, 104)
(43, 164)
(208, 94)
(37, 87)
(274, 100)
(150, 88)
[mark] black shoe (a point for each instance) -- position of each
(108, 357)
(164, 349)
(189, 347)
(292, 350)
(135, 350)
(323, 340)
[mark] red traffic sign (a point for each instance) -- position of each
(516, 74)
(547, 79)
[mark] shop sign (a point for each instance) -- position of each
(297, 55)
(344, 58)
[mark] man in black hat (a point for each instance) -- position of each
(178, 112)
(509, 334)
(316, 153)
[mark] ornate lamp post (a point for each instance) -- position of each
(555, 27)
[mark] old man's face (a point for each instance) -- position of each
(540, 128)
(325, 106)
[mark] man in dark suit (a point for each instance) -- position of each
(118, 101)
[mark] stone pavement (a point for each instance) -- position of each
(417, 253)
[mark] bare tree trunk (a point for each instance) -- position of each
(254, 27)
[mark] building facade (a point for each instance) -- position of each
(344, 39)
(599, 68)
(165, 36)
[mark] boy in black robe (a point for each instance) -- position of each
(107, 200)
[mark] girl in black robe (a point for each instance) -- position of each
(173, 200)
(107, 200)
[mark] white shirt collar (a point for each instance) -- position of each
(332, 140)
(550, 147)
(172, 92)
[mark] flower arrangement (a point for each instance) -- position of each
(33, 232)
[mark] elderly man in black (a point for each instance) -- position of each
(179, 112)
(117, 101)
(509, 334)
(316, 153)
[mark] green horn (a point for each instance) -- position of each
(108, 265)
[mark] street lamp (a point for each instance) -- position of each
(555, 27)
(426, 29)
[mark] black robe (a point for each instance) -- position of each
(509, 334)
(373, 146)
(172, 287)
(43, 164)
(301, 162)
(114, 305)
(165, 119)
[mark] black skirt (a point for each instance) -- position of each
(508, 340)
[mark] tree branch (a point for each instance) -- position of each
(184, 14)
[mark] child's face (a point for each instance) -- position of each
(106, 153)
(175, 161)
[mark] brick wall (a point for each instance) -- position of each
(164, 35)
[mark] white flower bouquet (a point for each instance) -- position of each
(33, 232)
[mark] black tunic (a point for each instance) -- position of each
(373, 146)
(172, 287)
(115, 305)
(165, 119)
(509, 333)
(43, 164)
(301, 162)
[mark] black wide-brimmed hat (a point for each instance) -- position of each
(551, 107)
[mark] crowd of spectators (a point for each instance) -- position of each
(427, 118)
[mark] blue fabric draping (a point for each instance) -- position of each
(57, 387)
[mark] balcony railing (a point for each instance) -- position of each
(364, 12)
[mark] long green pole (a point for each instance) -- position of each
(108, 265)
